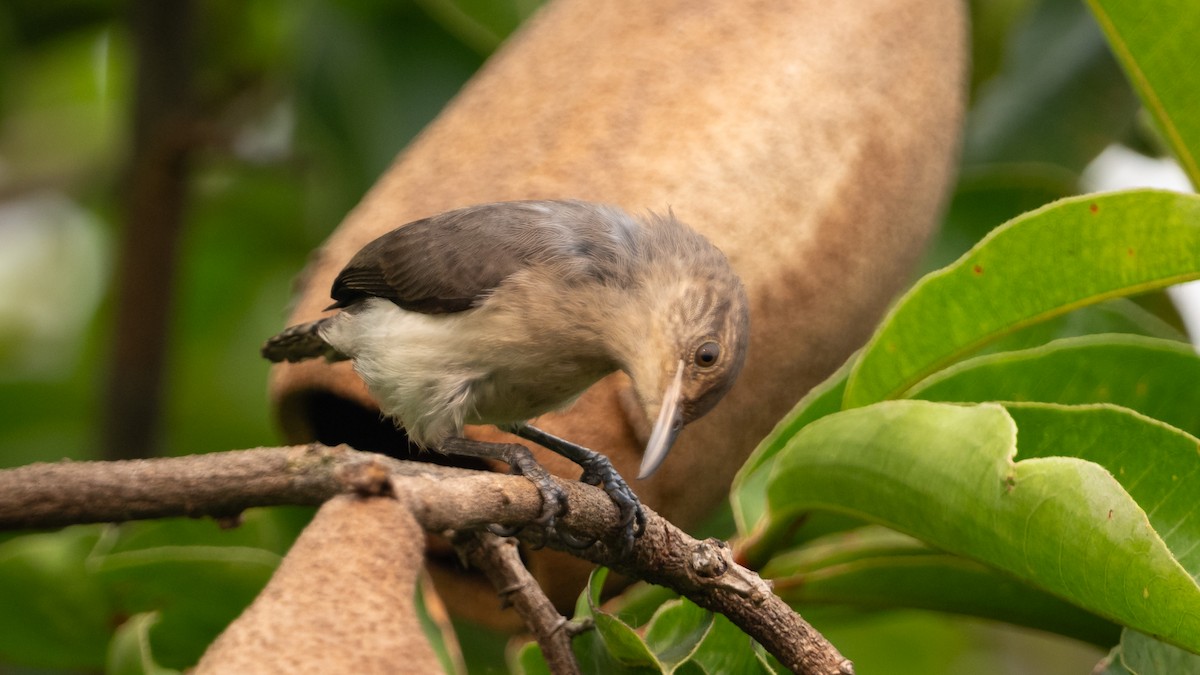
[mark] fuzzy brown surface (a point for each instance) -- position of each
(340, 602)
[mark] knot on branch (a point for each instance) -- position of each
(369, 478)
(713, 559)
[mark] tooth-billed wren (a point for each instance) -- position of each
(498, 313)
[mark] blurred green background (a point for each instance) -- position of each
(295, 108)
(289, 112)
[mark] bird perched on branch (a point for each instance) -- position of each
(498, 313)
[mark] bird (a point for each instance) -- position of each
(498, 313)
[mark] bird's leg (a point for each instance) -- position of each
(522, 462)
(597, 469)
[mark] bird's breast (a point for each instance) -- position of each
(435, 373)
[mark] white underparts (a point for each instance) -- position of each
(433, 373)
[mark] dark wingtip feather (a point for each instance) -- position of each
(299, 343)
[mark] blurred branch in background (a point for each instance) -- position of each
(155, 188)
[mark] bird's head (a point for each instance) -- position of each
(695, 345)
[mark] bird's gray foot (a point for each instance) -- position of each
(597, 470)
(522, 463)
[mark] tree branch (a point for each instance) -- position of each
(440, 498)
(501, 563)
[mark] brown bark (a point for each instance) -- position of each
(500, 562)
(438, 499)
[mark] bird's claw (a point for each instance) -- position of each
(571, 541)
(551, 494)
(521, 462)
(505, 532)
(599, 470)
(554, 499)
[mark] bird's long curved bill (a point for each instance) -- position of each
(666, 427)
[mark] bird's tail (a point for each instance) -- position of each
(299, 343)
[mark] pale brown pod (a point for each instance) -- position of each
(813, 142)
(357, 553)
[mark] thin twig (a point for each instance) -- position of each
(500, 562)
(441, 498)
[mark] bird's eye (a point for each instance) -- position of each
(707, 354)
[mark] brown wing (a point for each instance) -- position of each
(449, 262)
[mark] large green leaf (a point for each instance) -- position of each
(749, 494)
(1068, 254)
(1154, 377)
(1118, 315)
(1157, 465)
(1157, 46)
(198, 591)
(959, 383)
(1146, 356)
(948, 475)
(873, 567)
(726, 649)
(55, 614)
(676, 631)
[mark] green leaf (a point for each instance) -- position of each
(748, 495)
(676, 630)
(612, 646)
(590, 597)
(1154, 377)
(529, 660)
(917, 643)
(637, 604)
(1141, 654)
(1118, 315)
(873, 567)
(1069, 254)
(1156, 464)
(55, 615)
(440, 633)
(197, 590)
(130, 653)
(947, 475)
(273, 529)
(1157, 48)
(726, 649)
(689, 668)
(622, 644)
